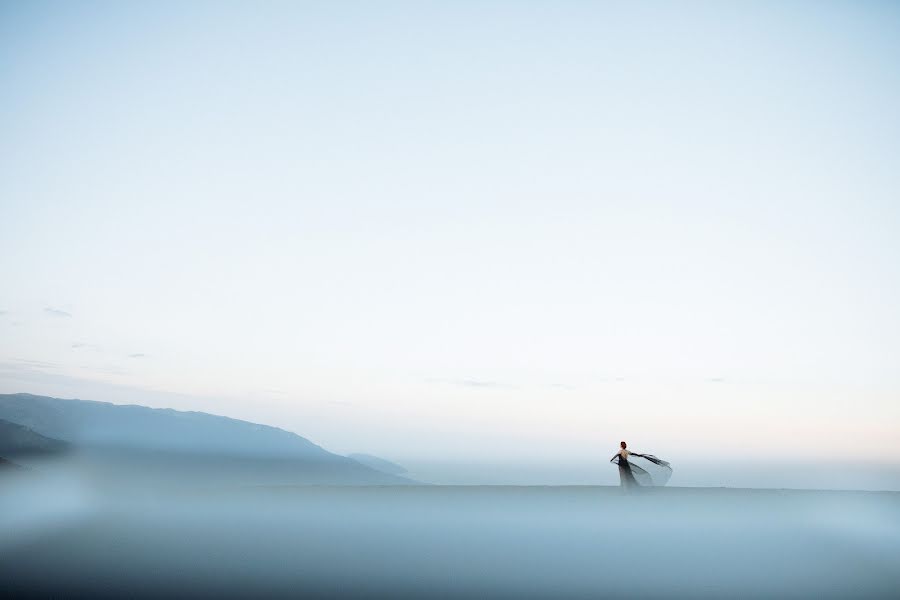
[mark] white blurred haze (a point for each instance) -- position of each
(501, 231)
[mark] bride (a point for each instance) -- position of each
(632, 475)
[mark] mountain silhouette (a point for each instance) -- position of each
(142, 442)
(17, 439)
(6, 465)
(377, 463)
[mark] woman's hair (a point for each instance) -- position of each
(623, 444)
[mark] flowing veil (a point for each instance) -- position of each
(647, 469)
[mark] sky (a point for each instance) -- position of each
(462, 232)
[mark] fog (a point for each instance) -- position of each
(65, 533)
(793, 474)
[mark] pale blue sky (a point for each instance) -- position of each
(462, 230)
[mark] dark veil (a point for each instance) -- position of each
(646, 469)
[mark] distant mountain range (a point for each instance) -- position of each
(379, 464)
(17, 440)
(6, 465)
(141, 442)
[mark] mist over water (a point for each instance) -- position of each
(821, 475)
(70, 533)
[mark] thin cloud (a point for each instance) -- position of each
(480, 384)
(561, 386)
(474, 383)
(29, 376)
(137, 355)
(105, 369)
(55, 312)
(85, 346)
(28, 364)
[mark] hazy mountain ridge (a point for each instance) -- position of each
(8, 465)
(378, 463)
(138, 440)
(103, 423)
(17, 439)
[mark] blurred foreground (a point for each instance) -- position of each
(61, 537)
